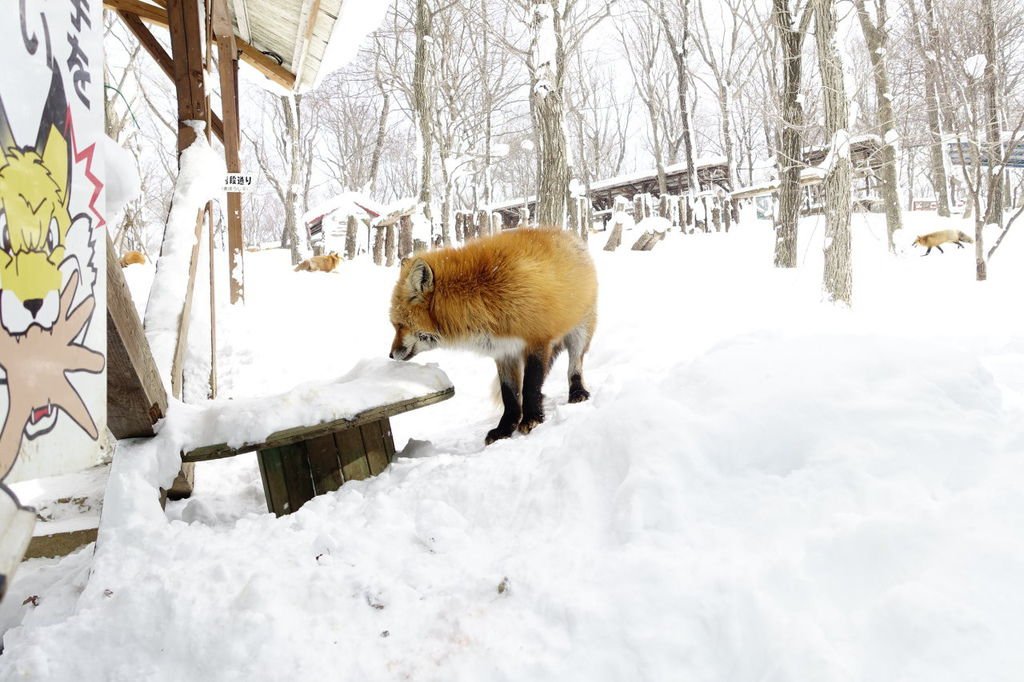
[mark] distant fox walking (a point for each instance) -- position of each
(942, 237)
(519, 297)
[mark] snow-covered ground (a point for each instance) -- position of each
(762, 487)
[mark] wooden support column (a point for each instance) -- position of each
(227, 66)
(186, 29)
(187, 62)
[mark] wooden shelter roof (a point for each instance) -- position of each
(285, 40)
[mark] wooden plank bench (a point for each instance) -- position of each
(299, 463)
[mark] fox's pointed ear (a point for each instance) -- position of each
(421, 277)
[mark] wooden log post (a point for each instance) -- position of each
(378, 245)
(524, 217)
(716, 213)
(404, 236)
(390, 245)
(665, 207)
(351, 230)
(483, 223)
(459, 228)
(638, 207)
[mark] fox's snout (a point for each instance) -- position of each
(400, 351)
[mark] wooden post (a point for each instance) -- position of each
(389, 245)
(187, 62)
(183, 18)
(483, 223)
(227, 67)
(378, 245)
(404, 236)
(213, 308)
(351, 228)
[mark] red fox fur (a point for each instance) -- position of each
(942, 237)
(520, 297)
(131, 257)
(319, 263)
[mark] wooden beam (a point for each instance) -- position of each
(265, 65)
(163, 60)
(302, 433)
(136, 398)
(251, 54)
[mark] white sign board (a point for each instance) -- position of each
(238, 182)
(53, 384)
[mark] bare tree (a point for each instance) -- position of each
(925, 36)
(642, 40)
(876, 37)
(284, 154)
(674, 16)
(791, 30)
(838, 275)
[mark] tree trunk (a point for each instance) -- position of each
(548, 99)
(680, 52)
(294, 153)
(838, 277)
(939, 178)
(422, 98)
(993, 135)
(789, 154)
(877, 40)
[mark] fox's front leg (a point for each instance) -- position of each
(536, 369)
(510, 376)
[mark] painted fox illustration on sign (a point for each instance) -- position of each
(41, 331)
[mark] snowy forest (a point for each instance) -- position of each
(462, 105)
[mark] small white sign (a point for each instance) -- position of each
(238, 182)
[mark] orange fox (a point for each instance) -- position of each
(520, 297)
(319, 263)
(131, 257)
(942, 237)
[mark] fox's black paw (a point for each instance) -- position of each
(498, 433)
(578, 395)
(529, 424)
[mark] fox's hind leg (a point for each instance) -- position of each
(510, 376)
(537, 361)
(577, 343)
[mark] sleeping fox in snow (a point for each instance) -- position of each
(319, 263)
(520, 297)
(942, 237)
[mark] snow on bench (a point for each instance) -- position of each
(317, 436)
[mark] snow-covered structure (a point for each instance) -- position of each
(327, 223)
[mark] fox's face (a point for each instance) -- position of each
(34, 222)
(920, 241)
(415, 329)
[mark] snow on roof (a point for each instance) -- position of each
(347, 203)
